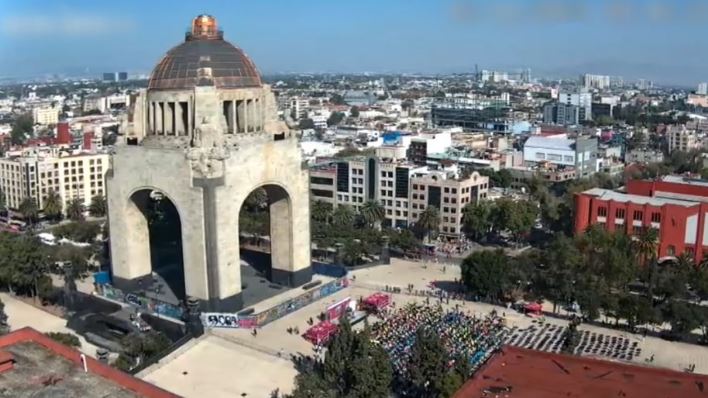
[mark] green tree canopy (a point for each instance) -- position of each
(98, 206)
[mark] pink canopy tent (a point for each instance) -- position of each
(377, 301)
(535, 308)
(321, 333)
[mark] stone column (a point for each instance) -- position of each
(234, 116)
(160, 118)
(280, 234)
(193, 318)
(179, 120)
(170, 118)
(246, 116)
(385, 253)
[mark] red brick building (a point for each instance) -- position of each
(676, 206)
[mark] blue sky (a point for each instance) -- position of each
(662, 40)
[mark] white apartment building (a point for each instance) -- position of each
(582, 99)
(72, 176)
(45, 115)
(682, 138)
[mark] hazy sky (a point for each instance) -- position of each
(662, 40)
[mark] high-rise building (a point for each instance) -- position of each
(558, 113)
(599, 82)
(122, 76)
(582, 99)
(110, 77)
(579, 153)
(702, 89)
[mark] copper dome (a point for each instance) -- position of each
(204, 60)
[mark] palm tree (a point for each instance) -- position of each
(75, 210)
(343, 216)
(98, 207)
(29, 210)
(373, 213)
(321, 211)
(646, 246)
(429, 220)
(52, 205)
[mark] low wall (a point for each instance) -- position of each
(222, 320)
(144, 304)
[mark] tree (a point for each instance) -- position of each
(75, 210)
(139, 346)
(646, 246)
(22, 127)
(428, 364)
(306, 124)
(429, 220)
(68, 339)
(321, 211)
(477, 220)
(337, 99)
(52, 206)
(3, 202)
(354, 111)
(373, 213)
(353, 367)
(343, 216)
(98, 206)
(486, 273)
(29, 210)
(4, 325)
(83, 231)
(335, 118)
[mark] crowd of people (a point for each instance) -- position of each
(463, 335)
(452, 248)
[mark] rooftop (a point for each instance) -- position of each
(608, 194)
(550, 142)
(45, 368)
(685, 180)
(521, 373)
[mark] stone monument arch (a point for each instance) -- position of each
(203, 135)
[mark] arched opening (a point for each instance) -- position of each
(165, 245)
(265, 225)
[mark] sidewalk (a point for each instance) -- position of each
(22, 315)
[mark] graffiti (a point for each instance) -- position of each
(218, 320)
(144, 304)
(280, 310)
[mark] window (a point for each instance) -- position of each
(445, 219)
(655, 217)
(689, 251)
(636, 230)
(446, 190)
(638, 215)
(454, 190)
(671, 250)
(619, 213)
(602, 211)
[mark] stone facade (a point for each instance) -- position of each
(206, 148)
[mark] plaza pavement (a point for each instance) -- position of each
(21, 314)
(229, 362)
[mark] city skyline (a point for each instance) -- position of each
(557, 39)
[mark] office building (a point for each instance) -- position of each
(582, 99)
(599, 82)
(579, 153)
(110, 77)
(644, 156)
(122, 76)
(46, 115)
(35, 174)
(702, 89)
(682, 138)
(472, 113)
(676, 206)
(563, 114)
(403, 189)
(425, 144)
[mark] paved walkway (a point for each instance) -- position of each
(22, 315)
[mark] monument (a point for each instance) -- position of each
(198, 141)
